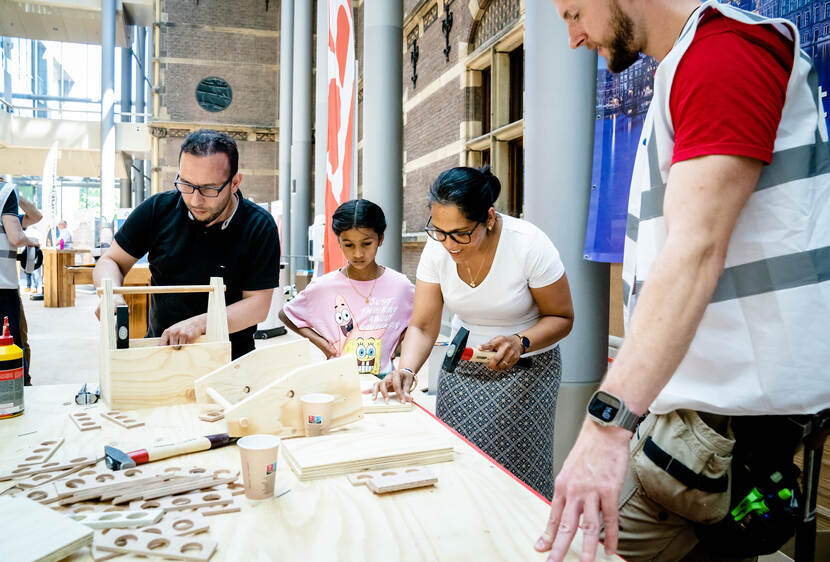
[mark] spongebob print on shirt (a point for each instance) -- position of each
(366, 345)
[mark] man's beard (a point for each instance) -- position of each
(621, 51)
(214, 216)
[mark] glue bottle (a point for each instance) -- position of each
(11, 375)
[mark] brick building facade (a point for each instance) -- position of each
(202, 39)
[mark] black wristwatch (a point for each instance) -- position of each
(609, 410)
(525, 341)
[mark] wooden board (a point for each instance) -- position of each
(122, 419)
(175, 548)
(360, 449)
(41, 452)
(159, 376)
(394, 479)
(254, 371)
(24, 524)
(276, 409)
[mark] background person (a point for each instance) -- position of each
(503, 280)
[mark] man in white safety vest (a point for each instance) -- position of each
(727, 299)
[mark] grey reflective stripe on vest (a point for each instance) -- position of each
(8, 254)
(632, 226)
(792, 164)
(774, 274)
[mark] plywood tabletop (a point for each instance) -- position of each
(475, 512)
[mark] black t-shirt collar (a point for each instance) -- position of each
(180, 205)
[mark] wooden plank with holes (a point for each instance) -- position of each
(394, 479)
(84, 421)
(118, 519)
(45, 477)
(175, 487)
(175, 548)
(197, 499)
(25, 471)
(41, 452)
(122, 419)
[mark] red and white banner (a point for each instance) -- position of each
(339, 148)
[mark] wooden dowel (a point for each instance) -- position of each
(218, 398)
(159, 289)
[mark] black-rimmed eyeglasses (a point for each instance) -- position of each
(456, 236)
(204, 191)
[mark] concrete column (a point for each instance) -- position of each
(286, 80)
(126, 199)
(559, 125)
(301, 136)
(382, 119)
(321, 107)
(7, 77)
(140, 72)
(107, 108)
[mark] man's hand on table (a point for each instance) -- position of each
(117, 300)
(186, 331)
(589, 484)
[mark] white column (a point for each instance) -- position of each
(141, 63)
(107, 108)
(286, 78)
(559, 136)
(321, 107)
(382, 119)
(301, 136)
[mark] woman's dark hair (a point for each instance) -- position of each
(205, 142)
(358, 213)
(472, 190)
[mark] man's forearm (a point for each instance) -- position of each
(106, 268)
(667, 314)
(249, 311)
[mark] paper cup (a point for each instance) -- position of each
(317, 410)
(259, 464)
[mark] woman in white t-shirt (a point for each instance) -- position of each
(504, 281)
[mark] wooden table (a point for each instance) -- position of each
(138, 276)
(477, 511)
(58, 290)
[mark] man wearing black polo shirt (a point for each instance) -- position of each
(202, 229)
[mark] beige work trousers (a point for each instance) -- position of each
(657, 512)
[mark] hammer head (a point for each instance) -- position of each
(455, 350)
(117, 459)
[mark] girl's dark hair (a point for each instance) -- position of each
(358, 213)
(472, 190)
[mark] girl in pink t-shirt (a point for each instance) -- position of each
(362, 308)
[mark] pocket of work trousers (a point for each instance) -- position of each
(683, 464)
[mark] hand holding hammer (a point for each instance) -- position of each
(499, 353)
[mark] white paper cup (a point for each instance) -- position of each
(317, 409)
(259, 464)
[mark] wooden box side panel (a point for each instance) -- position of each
(277, 409)
(254, 370)
(147, 377)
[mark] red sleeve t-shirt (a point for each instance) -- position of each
(729, 90)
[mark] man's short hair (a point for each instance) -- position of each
(205, 142)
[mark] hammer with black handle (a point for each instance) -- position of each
(458, 351)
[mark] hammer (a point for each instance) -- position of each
(117, 459)
(458, 351)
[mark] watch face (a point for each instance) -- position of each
(603, 407)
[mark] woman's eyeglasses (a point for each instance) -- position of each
(456, 236)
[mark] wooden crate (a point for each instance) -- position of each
(148, 374)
